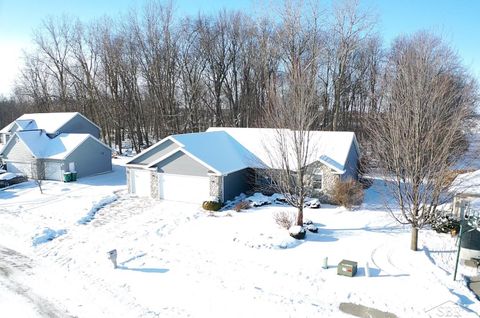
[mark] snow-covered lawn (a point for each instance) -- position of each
(176, 260)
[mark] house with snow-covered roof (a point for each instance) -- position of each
(46, 145)
(224, 162)
(52, 124)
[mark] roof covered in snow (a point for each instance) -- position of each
(225, 150)
(219, 150)
(42, 146)
(328, 147)
(467, 183)
(50, 122)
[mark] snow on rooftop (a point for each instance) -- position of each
(333, 145)
(7, 128)
(468, 183)
(50, 122)
(219, 150)
(42, 146)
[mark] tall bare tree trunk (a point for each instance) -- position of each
(414, 239)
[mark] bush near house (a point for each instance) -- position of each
(284, 219)
(347, 193)
(211, 205)
(447, 224)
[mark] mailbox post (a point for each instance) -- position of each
(112, 255)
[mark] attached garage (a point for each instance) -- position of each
(193, 168)
(53, 170)
(184, 188)
(140, 182)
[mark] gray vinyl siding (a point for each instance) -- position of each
(180, 163)
(79, 125)
(155, 153)
(237, 182)
(17, 151)
(90, 158)
(351, 166)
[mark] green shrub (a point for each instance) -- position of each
(211, 205)
(348, 193)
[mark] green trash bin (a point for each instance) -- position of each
(67, 176)
(74, 175)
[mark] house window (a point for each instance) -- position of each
(317, 180)
(262, 180)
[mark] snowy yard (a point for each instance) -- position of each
(175, 260)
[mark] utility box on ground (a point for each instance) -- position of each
(347, 268)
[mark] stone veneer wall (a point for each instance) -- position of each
(328, 183)
(153, 182)
(216, 187)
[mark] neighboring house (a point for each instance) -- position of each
(46, 145)
(466, 203)
(35, 154)
(52, 123)
(466, 193)
(224, 162)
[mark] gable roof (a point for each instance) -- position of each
(329, 147)
(50, 122)
(218, 151)
(226, 150)
(44, 147)
(467, 184)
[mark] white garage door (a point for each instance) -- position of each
(53, 171)
(183, 188)
(140, 182)
(20, 167)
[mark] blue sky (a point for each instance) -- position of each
(457, 21)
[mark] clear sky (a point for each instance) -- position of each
(458, 21)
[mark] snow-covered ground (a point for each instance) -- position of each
(176, 260)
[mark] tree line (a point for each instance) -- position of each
(149, 73)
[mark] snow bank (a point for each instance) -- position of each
(97, 206)
(259, 199)
(47, 235)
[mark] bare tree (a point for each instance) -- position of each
(292, 110)
(419, 132)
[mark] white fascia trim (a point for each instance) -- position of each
(85, 118)
(201, 162)
(188, 154)
(335, 169)
(23, 142)
(147, 150)
(79, 144)
(165, 156)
